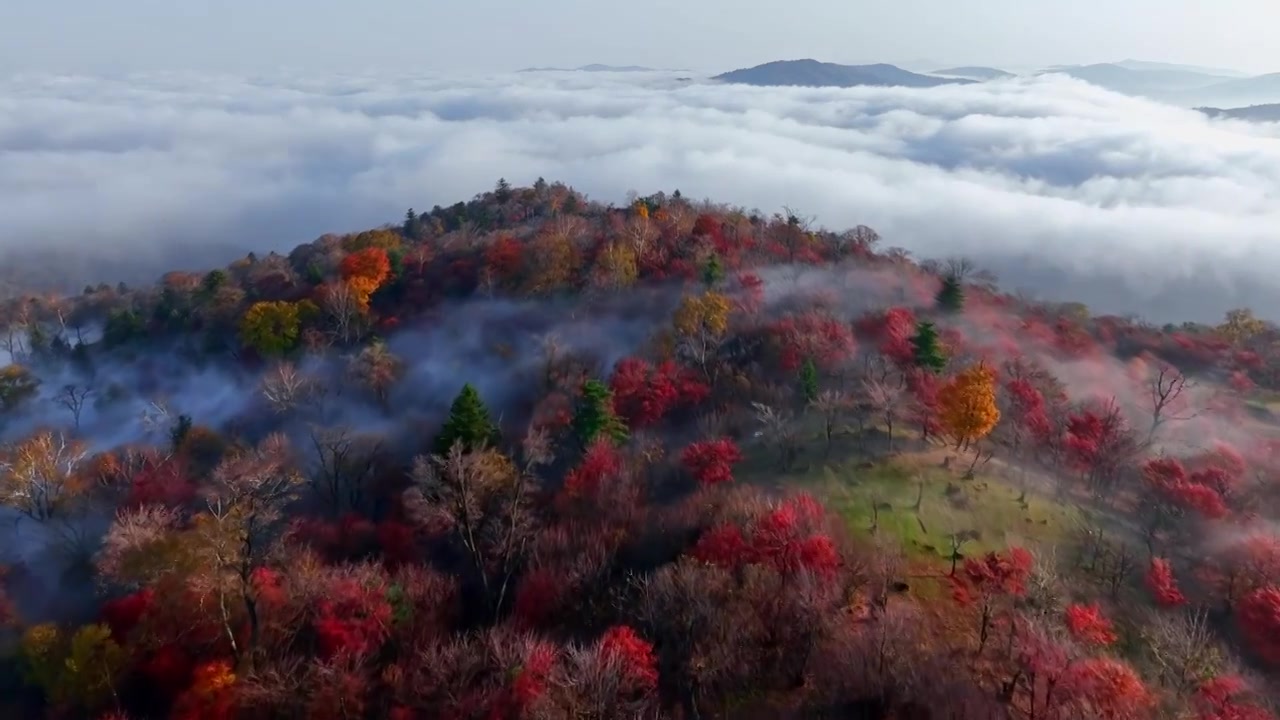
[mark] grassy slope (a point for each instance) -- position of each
(852, 485)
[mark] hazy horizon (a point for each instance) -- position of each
(484, 36)
(1080, 193)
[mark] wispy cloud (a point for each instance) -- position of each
(1061, 187)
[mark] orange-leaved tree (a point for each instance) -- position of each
(967, 405)
(365, 271)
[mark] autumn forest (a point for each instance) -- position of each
(532, 456)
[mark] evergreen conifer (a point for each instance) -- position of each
(595, 416)
(927, 348)
(468, 423)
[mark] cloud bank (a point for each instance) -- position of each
(1060, 187)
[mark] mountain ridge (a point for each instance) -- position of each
(808, 72)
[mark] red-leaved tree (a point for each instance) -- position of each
(351, 618)
(634, 654)
(1227, 697)
(711, 462)
(990, 583)
(816, 336)
(1258, 619)
(643, 394)
(1088, 625)
(1162, 585)
(789, 537)
(1109, 688)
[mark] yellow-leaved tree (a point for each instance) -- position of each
(706, 313)
(1239, 325)
(616, 266)
(80, 672)
(700, 324)
(967, 405)
(271, 327)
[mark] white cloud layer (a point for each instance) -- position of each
(1059, 186)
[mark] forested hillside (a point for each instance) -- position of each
(533, 457)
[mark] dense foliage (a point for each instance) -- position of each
(532, 457)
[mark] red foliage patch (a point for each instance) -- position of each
(398, 541)
(1110, 686)
(751, 298)
(161, 482)
(634, 654)
(993, 574)
(600, 462)
(1088, 625)
(1162, 585)
(351, 619)
(643, 394)
(711, 462)
(505, 259)
(1227, 698)
(1029, 409)
(813, 335)
(788, 538)
(1258, 617)
(538, 596)
(123, 614)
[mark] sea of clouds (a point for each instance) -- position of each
(1063, 189)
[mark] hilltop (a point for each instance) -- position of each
(1256, 113)
(974, 72)
(535, 456)
(811, 73)
(1174, 84)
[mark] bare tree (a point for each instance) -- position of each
(778, 429)
(640, 232)
(1045, 596)
(127, 556)
(343, 466)
(702, 348)
(40, 476)
(155, 417)
(1167, 393)
(72, 397)
(284, 387)
(958, 268)
(831, 405)
(13, 340)
(483, 501)
(377, 369)
(245, 504)
(552, 350)
(885, 401)
(344, 311)
(1184, 648)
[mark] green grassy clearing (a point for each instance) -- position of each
(987, 506)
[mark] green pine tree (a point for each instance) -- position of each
(713, 271)
(928, 350)
(468, 423)
(595, 417)
(411, 224)
(809, 381)
(950, 296)
(502, 192)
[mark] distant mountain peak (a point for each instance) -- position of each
(808, 72)
(974, 72)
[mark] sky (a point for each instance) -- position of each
(485, 36)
